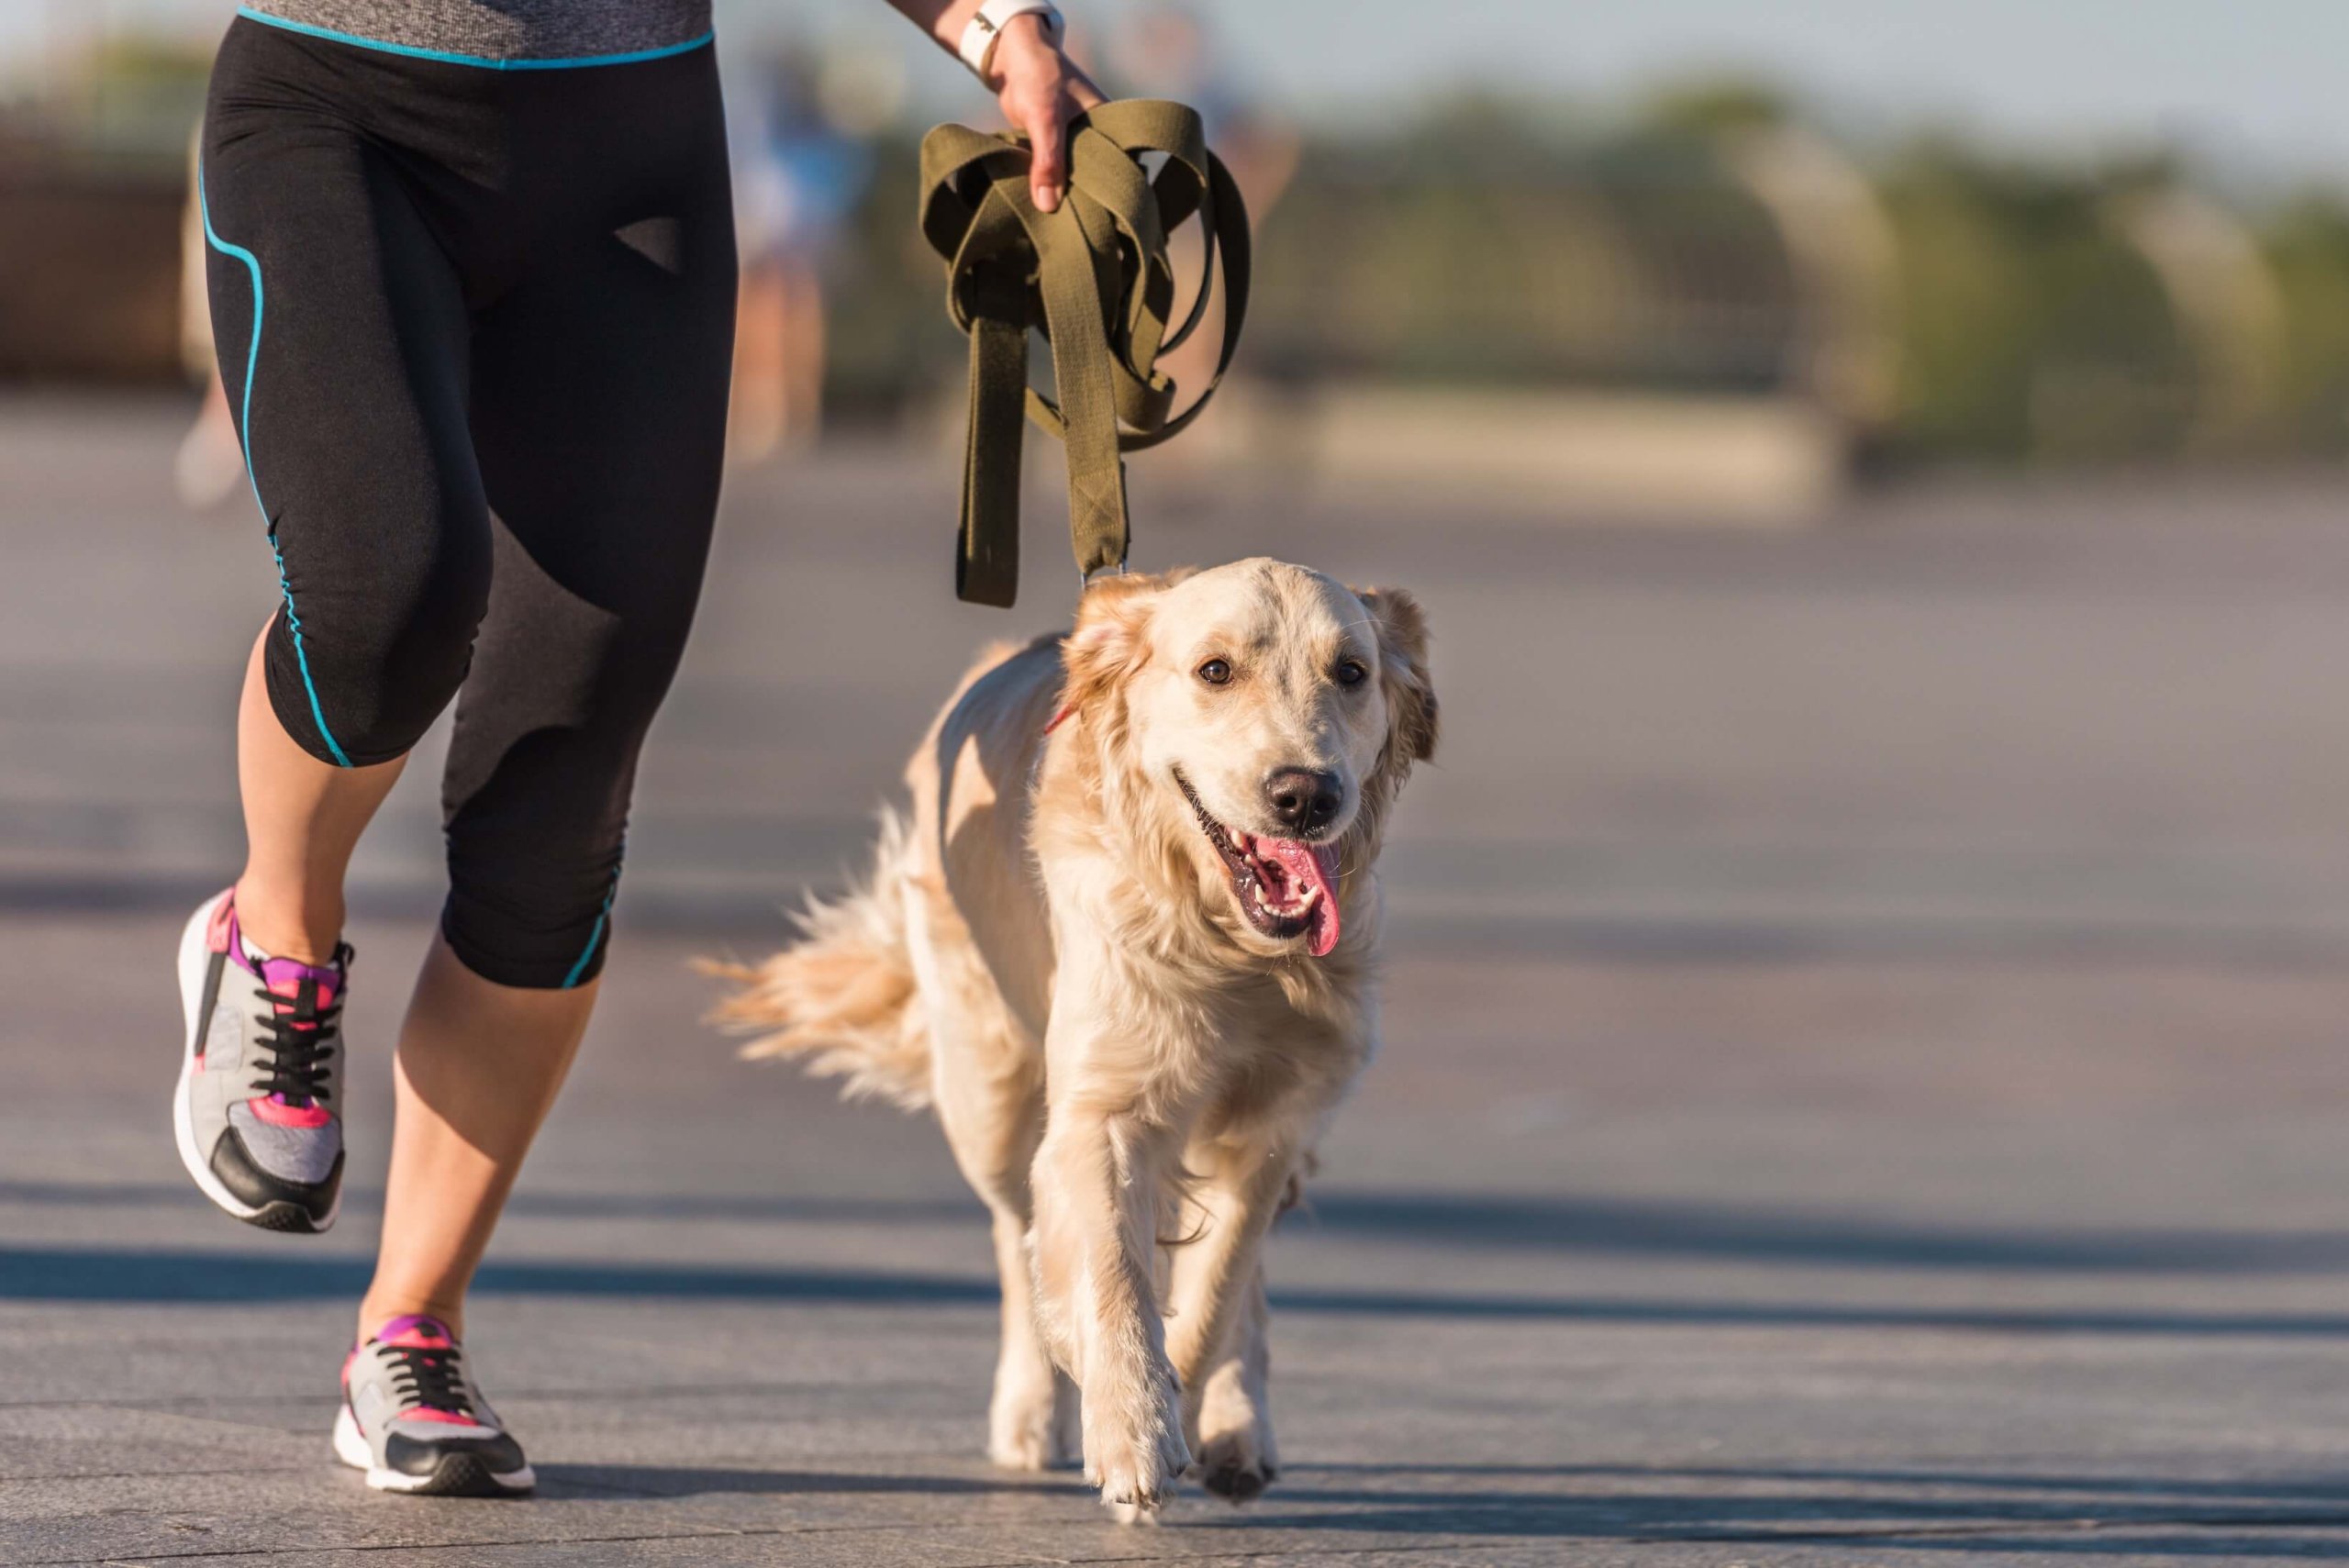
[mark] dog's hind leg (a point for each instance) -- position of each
(990, 1091)
(1234, 1438)
(1215, 1332)
(1032, 1419)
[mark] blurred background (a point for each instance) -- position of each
(1864, 1023)
(1678, 257)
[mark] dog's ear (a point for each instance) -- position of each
(1111, 641)
(1403, 667)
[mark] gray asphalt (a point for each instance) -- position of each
(1865, 1086)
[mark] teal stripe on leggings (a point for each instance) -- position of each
(595, 936)
(245, 432)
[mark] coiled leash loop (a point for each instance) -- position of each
(1094, 277)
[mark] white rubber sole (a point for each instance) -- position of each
(351, 1448)
(196, 957)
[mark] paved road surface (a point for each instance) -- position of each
(1866, 1079)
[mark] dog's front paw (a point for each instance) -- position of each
(1134, 1449)
(1139, 1473)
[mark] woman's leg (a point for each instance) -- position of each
(760, 410)
(343, 338)
(303, 819)
(477, 1070)
(342, 331)
(598, 418)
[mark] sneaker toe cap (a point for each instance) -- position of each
(419, 1454)
(254, 1182)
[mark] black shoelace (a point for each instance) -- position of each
(297, 1041)
(430, 1375)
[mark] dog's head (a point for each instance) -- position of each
(1265, 715)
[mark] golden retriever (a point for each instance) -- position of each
(1126, 948)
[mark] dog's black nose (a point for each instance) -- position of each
(1303, 800)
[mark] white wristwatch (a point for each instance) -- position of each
(980, 33)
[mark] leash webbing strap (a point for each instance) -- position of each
(1094, 278)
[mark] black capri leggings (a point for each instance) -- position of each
(476, 324)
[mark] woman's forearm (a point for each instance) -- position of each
(943, 20)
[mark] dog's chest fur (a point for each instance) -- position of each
(1241, 1038)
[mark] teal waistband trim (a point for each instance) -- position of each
(481, 61)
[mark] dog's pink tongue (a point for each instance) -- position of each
(1311, 865)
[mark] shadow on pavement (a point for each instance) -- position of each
(1913, 1510)
(2328, 1491)
(1644, 1227)
(145, 1275)
(1916, 1510)
(604, 1483)
(1597, 1226)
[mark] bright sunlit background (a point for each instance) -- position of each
(1718, 257)
(1865, 1064)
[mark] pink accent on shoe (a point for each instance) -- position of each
(273, 1110)
(430, 1413)
(231, 928)
(284, 976)
(414, 1331)
(220, 936)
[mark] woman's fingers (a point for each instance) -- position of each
(1048, 156)
(1048, 138)
(1042, 90)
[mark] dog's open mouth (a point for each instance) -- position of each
(1287, 887)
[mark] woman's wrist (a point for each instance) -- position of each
(955, 26)
(1028, 33)
(945, 29)
(943, 20)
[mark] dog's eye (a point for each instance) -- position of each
(1215, 673)
(1351, 671)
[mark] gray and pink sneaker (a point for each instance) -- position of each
(413, 1420)
(262, 1074)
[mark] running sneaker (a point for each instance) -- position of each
(263, 1072)
(413, 1420)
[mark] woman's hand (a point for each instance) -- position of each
(1037, 84)
(1039, 90)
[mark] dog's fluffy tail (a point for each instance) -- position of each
(843, 998)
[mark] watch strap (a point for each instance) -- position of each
(981, 33)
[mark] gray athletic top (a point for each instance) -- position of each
(499, 31)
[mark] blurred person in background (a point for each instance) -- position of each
(797, 178)
(467, 256)
(1166, 50)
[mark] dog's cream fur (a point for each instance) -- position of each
(1052, 955)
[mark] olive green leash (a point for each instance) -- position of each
(1094, 277)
